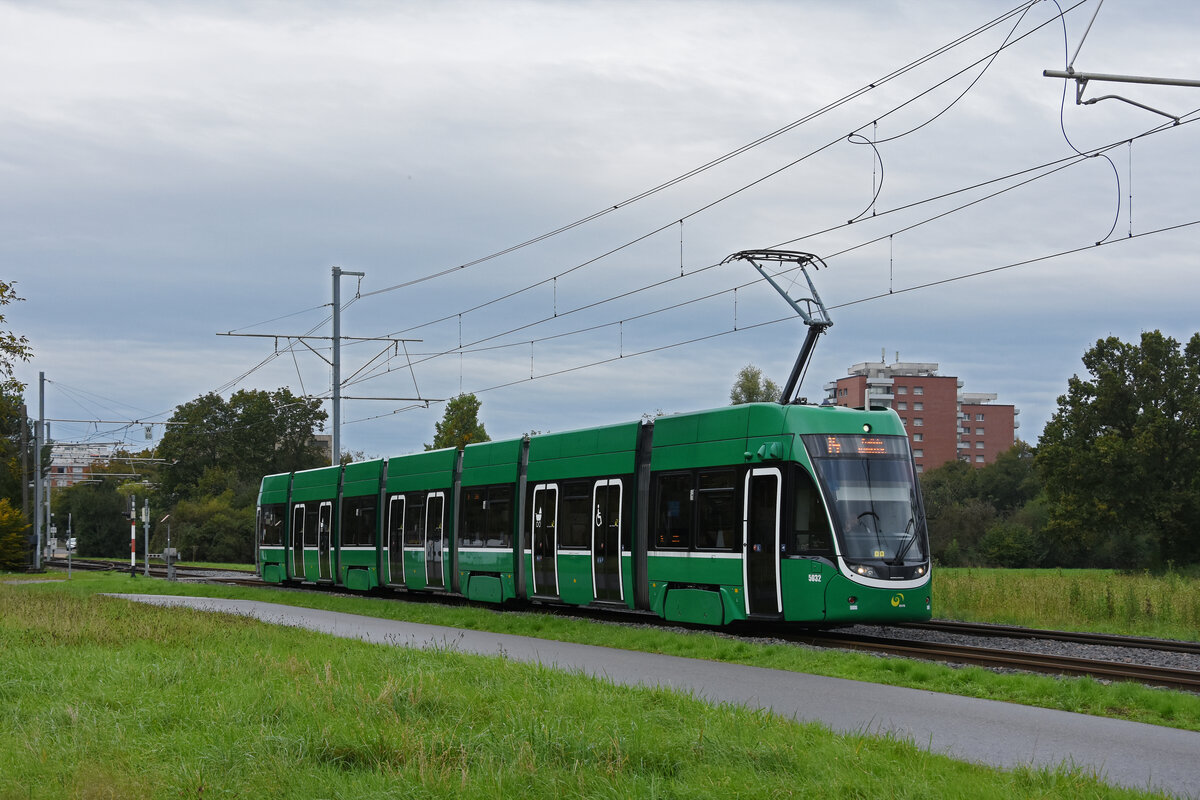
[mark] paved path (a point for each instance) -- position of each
(983, 731)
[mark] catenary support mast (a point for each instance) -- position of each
(37, 471)
(335, 361)
(338, 272)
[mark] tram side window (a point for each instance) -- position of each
(358, 521)
(717, 511)
(395, 519)
(575, 531)
(297, 525)
(810, 533)
(414, 520)
(673, 511)
(474, 518)
(310, 523)
(499, 517)
(270, 523)
(487, 516)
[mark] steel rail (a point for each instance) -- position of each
(1187, 680)
(156, 570)
(1075, 637)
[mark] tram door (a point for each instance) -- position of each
(325, 541)
(760, 562)
(395, 540)
(298, 542)
(434, 539)
(545, 539)
(606, 540)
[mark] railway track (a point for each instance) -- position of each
(905, 646)
(1003, 658)
(1014, 632)
(156, 570)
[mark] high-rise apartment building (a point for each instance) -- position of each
(72, 463)
(942, 421)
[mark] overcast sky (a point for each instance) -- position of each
(170, 171)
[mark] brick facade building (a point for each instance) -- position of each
(72, 463)
(943, 423)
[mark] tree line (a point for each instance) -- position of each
(17, 458)
(1114, 480)
(202, 479)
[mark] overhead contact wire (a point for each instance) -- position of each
(1009, 42)
(928, 285)
(1019, 9)
(1057, 165)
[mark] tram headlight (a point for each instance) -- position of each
(921, 570)
(866, 571)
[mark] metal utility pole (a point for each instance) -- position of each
(168, 552)
(49, 484)
(811, 309)
(37, 471)
(338, 272)
(133, 535)
(24, 460)
(335, 361)
(146, 532)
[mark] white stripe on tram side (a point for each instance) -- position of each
(691, 554)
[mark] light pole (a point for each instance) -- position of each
(146, 532)
(168, 553)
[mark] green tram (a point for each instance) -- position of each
(794, 513)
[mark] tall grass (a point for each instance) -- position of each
(1092, 600)
(100, 698)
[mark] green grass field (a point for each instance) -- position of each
(1122, 701)
(100, 698)
(1103, 601)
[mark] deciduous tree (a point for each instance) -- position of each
(97, 514)
(1121, 455)
(15, 432)
(751, 386)
(281, 430)
(460, 425)
(1011, 481)
(252, 434)
(13, 348)
(213, 528)
(14, 547)
(200, 436)
(217, 453)
(14, 428)
(992, 515)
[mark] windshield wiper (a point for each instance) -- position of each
(912, 520)
(899, 559)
